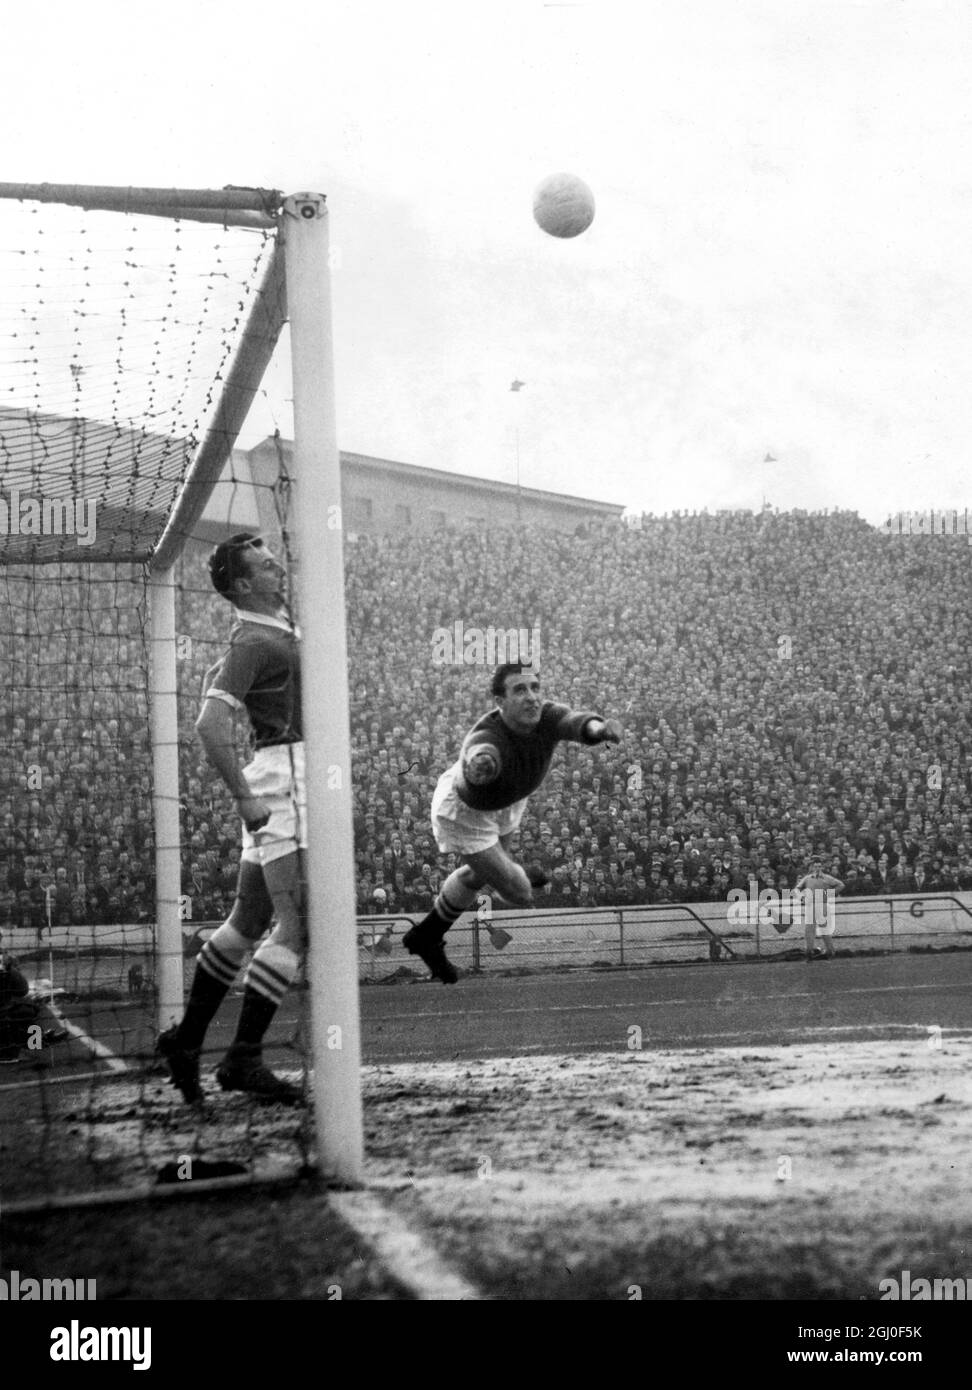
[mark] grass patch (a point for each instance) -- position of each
(257, 1244)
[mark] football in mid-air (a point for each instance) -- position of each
(563, 205)
(481, 764)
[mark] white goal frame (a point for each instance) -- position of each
(297, 276)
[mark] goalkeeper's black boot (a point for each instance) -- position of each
(427, 944)
(242, 1069)
(182, 1062)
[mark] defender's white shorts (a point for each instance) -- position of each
(276, 776)
(458, 829)
(829, 927)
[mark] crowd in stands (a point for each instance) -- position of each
(791, 685)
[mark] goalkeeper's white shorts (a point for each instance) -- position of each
(458, 829)
(276, 776)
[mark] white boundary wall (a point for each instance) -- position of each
(612, 936)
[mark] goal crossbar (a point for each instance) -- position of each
(233, 207)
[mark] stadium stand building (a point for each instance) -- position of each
(383, 496)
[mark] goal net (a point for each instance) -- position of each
(133, 337)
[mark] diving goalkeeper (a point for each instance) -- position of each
(479, 802)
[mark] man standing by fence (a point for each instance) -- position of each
(820, 913)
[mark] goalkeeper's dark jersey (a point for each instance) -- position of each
(524, 758)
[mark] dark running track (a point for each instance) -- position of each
(719, 1005)
(714, 1005)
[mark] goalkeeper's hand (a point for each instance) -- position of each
(605, 731)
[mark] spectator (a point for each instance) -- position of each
(748, 763)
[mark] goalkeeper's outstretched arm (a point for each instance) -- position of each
(588, 728)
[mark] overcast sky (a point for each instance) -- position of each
(780, 264)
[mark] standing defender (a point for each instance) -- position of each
(259, 676)
(819, 917)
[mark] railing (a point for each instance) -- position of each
(670, 933)
(643, 934)
(919, 907)
(550, 936)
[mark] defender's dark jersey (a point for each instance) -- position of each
(261, 674)
(524, 758)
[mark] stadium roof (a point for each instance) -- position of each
(440, 477)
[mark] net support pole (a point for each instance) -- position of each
(165, 795)
(332, 967)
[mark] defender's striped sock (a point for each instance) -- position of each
(270, 975)
(217, 967)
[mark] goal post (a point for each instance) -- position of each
(164, 717)
(332, 961)
(101, 421)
